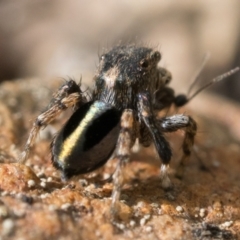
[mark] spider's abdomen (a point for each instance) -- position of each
(87, 140)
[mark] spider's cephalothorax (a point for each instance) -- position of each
(130, 89)
(124, 72)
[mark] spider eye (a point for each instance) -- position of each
(156, 56)
(144, 63)
(167, 79)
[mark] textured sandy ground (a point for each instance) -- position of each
(62, 38)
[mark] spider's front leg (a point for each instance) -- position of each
(162, 146)
(68, 95)
(174, 123)
(125, 142)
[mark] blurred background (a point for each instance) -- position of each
(63, 38)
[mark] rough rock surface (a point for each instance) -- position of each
(35, 204)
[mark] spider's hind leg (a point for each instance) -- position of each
(174, 123)
(68, 95)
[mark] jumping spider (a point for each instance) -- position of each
(130, 90)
